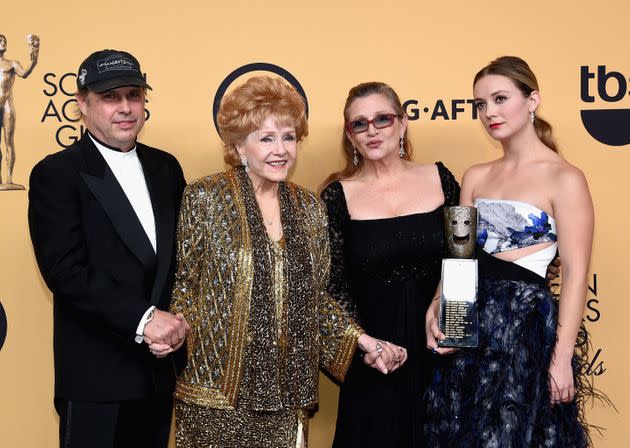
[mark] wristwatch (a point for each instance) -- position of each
(148, 316)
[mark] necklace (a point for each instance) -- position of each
(269, 222)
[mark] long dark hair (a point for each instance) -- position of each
(360, 91)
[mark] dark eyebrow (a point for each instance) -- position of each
(376, 114)
(492, 94)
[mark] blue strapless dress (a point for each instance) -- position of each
(496, 395)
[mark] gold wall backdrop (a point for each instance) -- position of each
(428, 51)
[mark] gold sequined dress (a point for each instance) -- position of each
(262, 321)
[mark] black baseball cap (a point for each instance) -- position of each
(109, 69)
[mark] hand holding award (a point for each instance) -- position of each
(458, 300)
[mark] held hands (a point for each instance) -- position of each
(382, 355)
(433, 331)
(165, 333)
(561, 384)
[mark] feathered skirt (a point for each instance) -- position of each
(497, 395)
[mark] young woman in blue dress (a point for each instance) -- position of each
(522, 386)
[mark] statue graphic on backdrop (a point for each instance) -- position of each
(8, 70)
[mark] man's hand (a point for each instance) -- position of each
(167, 329)
(553, 270)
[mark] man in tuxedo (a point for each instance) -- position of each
(102, 216)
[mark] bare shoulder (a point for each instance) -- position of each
(566, 176)
(15, 65)
(423, 170)
(349, 183)
(569, 188)
(419, 167)
(476, 172)
(7, 65)
(354, 184)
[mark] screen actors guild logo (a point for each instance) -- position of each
(255, 66)
(62, 109)
(8, 71)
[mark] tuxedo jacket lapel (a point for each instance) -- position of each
(103, 184)
(156, 177)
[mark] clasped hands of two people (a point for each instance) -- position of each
(165, 333)
(381, 355)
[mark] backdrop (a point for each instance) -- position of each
(428, 51)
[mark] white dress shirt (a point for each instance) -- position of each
(128, 172)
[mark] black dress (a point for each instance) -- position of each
(385, 272)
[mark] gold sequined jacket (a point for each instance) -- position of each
(219, 285)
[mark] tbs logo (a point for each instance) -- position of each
(608, 126)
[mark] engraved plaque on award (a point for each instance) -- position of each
(458, 301)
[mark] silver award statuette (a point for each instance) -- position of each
(458, 302)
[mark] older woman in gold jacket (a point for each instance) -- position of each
(253, 262)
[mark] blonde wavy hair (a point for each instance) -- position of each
(246, 108)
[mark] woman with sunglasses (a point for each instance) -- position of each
(387, 239)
